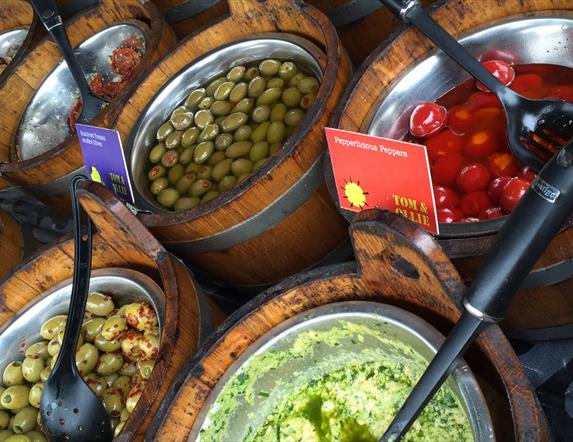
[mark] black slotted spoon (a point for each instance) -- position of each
(536, 129)
(70, 409)
(48, 12)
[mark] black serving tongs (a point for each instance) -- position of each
(70, 409)
(48, 12)
(526, 233)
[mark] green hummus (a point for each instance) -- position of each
(346, 396)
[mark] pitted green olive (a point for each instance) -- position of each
(99, 304)
(261, 113)
(204, 172)
(223, 141)
(251, 73)
(156, 172)
(200, 188)
(31, 369)
(13, 374)
(35, 395)
(243, 133)
(212, 87)
(294, 117)
(170, 158)
(164, 130)
(236, 73)
(260, 133)
(238, 92)
(167, 197)
(221, 108)
(245, 105)
(295, 80)
(278, 112)
(287, 70)
(256, 87)
(206, 103)
(38, 350)
(52, 326)
(209, 132)
(308, 85)
(269, 67)
(182, 120)
(291, 97)
(15, 397)
(276, 82)
(307, 101)
(190, 137)
(223, 90)
(157, 186)
(203, 118)
(25, 420)
(194, 98)
(185, 182)
(157, 152)
(269, 96)
(203, 151)
(174, 174)
(173, 140)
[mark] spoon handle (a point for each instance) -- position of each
(411, 11)
(81, 280)
(49, 14)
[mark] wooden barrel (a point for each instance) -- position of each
(11, 243)
(545, 300)
(279, 221)
(46, 176)
(397, 264)
(122, 242)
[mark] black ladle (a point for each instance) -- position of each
(48, 12)
(524, 236)
(70, 409)
(532, 125)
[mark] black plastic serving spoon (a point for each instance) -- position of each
(70, 410)
(533, 126)
(48, 12)
(528, 230)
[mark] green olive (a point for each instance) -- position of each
(109, 363)
(203, 151)
(258, 151)
(4, 420)
(192, 167)
(52, 326)
(203, 118)
(238, 149)
(277, 132)
(156, 153)
(243, 133)
(245, 105)
(251, 73)
(275, 147)
(221, 169)
(287, 70)
(212, 194)
(259, 163)
(35, 395)
(204, 172)
(5, 434)
(13, 374)
(216, 158)
(308, 85)
(239, 92)
(25, 420)
(86, 358)
(276, 82)
(173, 176)
(31, 369)
(223, 141)
(227, 182)
(122, 383)
(92, 327)
(118, 428)
(291, 97)
(186, 156)
(200, 188)
(234, 121)
(185, 182)
(243, 177)
(194, 98)
(36, 436)
(18, 438)
(156, 186)
(269, 96)
(146, 368)
(114, 326)
(164, 130)
(182, 121)
(167, 197)
(38, 350)
(260, 132)
(190, 136)
(294, 117)
(209, 132)
(224, 90)
(256, 87)
(261, 113)
(46, 373)
(110, 379)
(96, 384)
(15, 397)
(60, 339)
(113, 402)
(206, 103)
(173, 140)
(128, 369)
(269, 67)
(179, 110)
(221, 108)
(296, 79)
(241, 166)
(278, 112)
(236, 73)
(170, 158)
(54, 347)
(186, 203)
(156, 172)
(307, 101)
(212, 87)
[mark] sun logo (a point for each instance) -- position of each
(95, 176)
(354, 194)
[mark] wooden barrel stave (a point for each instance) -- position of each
(283, 171)
(65, 160)
(378, 238)
(11, 243)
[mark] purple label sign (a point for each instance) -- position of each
(104, 159)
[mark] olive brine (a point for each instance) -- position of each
(227, 130)
(115, 356)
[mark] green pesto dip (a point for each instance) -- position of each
(345, 396)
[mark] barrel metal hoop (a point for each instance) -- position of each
(353, 11)
(552, 274)
(56, 187)
(187, 10)
(267, 218)
(543, 334)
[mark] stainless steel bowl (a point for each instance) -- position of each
(395, 323)
(196, 74)
(45, 122)
(10, 43)
(542, 37)
(123, 285)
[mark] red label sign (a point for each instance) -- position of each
(379, 172)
